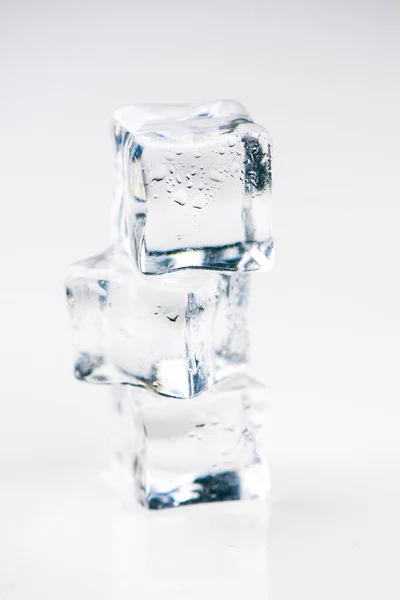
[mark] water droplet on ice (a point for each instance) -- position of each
(197, 154)
(157, 172)
(180, 197)
(215, 176)
(172, 316)
(199, 201)
(170, 156)
(189, 184)
(178, 178)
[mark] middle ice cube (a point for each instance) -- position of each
(177, 334)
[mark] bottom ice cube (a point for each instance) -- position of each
(210, 448)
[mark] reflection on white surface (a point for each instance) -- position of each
(66, 536)
(331, 533)
(215, 550)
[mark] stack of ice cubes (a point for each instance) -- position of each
(161, 315)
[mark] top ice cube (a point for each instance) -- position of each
(194, 187)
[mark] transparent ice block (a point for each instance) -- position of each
(211, 448)
(194, 186)
(177, 334)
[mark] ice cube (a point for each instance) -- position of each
(176, 334)
(171, 452)
(194, 187)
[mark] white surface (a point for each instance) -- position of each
(324, 78)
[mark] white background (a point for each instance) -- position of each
(323, 77)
